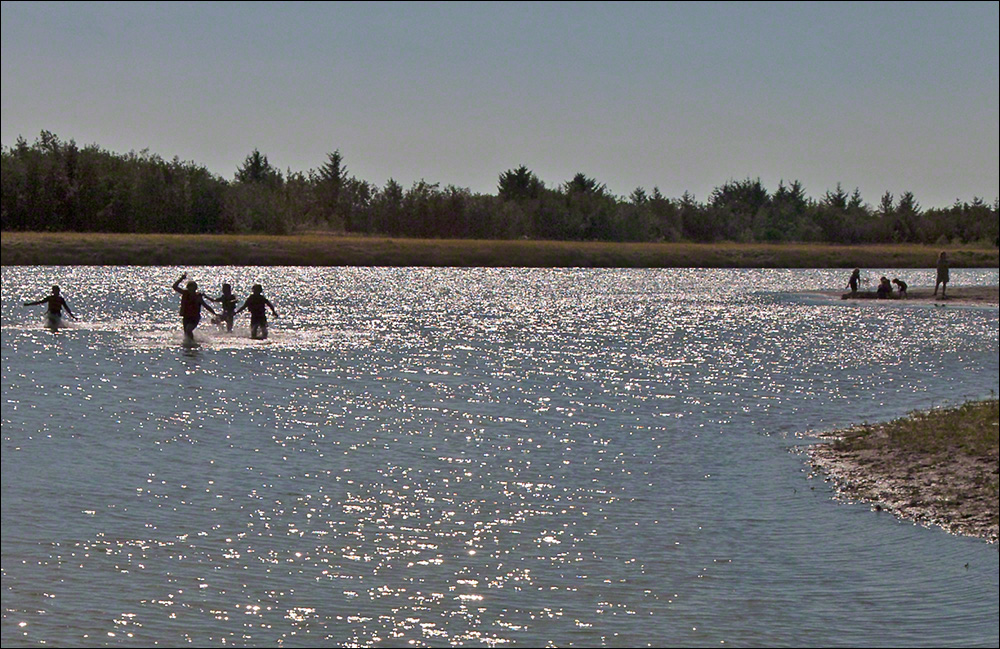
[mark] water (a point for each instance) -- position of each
(479, 457)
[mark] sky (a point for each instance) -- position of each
(681, 96)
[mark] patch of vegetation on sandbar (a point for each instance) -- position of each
(937, 467)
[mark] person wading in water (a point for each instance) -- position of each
(855, 280)
(56, 305)
(192, 302)
(256, 304)
(228, 302)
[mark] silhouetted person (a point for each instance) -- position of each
(884, 289)
(192, 302)
(901, 285)
(56, 304)
(256, 304)
(942, 273)
(228, 302)
(855, 279)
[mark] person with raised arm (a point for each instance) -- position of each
(192, 302)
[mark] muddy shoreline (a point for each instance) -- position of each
(949, 485)
(956, 295)
(920, 468)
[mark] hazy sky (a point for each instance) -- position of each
(895, 96)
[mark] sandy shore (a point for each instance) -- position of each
(957, 295)
(947, 483)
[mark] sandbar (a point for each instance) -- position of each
(935, 468)
(957, 295)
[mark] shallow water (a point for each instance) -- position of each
(475, 456)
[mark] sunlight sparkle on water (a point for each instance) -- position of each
(477, 456)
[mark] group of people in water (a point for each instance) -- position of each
(192, 303)
(884, 288)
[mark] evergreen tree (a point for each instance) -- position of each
(256, 169)
(329, 182)
(519, 184)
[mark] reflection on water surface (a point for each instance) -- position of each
(475, 456)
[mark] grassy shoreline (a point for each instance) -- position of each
(323, 249)
(938, 467)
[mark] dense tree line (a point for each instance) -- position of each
(56, 185)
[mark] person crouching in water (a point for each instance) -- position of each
(901, 285)
(192, 302)
(884, 290)
(258, 316)
(228, 302)
(56, 304)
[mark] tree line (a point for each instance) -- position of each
(54, 185)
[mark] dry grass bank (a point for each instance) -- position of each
(938, 467)
(320, 249)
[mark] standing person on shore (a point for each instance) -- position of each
(228, 302)
(256, 304)
(901, 285)
(192, 302)
(56, 304)
(855, 279)
(942, 273)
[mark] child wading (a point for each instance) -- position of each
(855, 280)
(192, 302)
(256, 304)
(228, 302)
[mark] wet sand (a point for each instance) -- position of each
(957, 295)
(950, 486)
